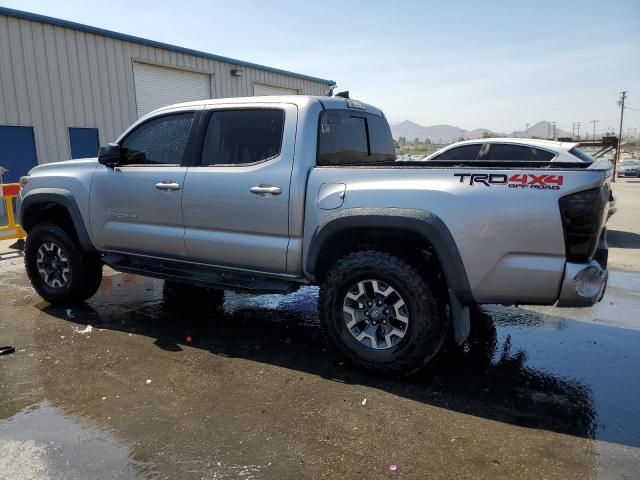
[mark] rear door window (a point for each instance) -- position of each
(464, 152)
(517, 153)
(243, 137)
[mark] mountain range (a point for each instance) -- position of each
(449, 133)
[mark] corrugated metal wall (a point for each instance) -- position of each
(53, 78)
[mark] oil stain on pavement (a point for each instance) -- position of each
(164, 387)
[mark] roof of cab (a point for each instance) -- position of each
(299, 100)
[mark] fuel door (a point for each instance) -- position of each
(331, 195)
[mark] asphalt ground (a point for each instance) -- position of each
(140, 384)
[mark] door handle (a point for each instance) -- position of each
(168, 185)
(265, 190)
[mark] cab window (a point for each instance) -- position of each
(160, 141)
(243, 137)
(348, 137)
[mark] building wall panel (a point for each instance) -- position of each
(54, 77)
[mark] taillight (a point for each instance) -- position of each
(583, 216)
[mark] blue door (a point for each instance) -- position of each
(84, 142)
(17, 152)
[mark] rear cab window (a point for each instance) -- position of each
(353, 137)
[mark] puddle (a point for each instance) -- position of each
(41, 442)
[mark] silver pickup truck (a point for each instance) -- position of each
(266, 194)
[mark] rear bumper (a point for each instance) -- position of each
(583, 285)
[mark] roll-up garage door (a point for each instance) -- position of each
(261, 89)
(160, 86)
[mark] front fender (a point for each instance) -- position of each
(61, 197)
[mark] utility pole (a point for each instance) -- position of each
(575, 128)
(623, 95)
(594, 127)
(553, 130)
(527, 131)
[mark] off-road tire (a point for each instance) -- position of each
(85, 267)
(427, 328)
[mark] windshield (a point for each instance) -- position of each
(630, 163)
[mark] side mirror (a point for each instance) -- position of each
(110, 155)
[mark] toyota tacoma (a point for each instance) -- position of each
(265, 194)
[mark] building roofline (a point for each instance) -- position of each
(10, 12)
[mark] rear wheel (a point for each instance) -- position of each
(59, 270)
(380, 312)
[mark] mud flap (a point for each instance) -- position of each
(461, 318)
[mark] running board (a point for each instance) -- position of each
(199, 274)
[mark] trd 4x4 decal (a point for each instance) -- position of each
(518, 180)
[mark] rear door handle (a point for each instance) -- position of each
(168, 185)
(265, 190)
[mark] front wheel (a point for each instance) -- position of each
(380, 312)
(59, 270)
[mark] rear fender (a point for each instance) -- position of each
(424, 223)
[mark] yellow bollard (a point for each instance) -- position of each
(10, 191)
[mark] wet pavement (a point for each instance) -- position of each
(140, 383)
(162, 389)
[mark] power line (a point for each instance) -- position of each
(543, 105)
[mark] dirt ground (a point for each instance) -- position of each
(140, 384)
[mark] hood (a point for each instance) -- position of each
(63, 165)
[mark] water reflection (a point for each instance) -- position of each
(493, 376)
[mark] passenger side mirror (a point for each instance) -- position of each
(110, 155)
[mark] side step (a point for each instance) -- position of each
(199, 274)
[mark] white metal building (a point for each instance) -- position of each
(66, 88)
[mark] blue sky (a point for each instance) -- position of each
(492, 64)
